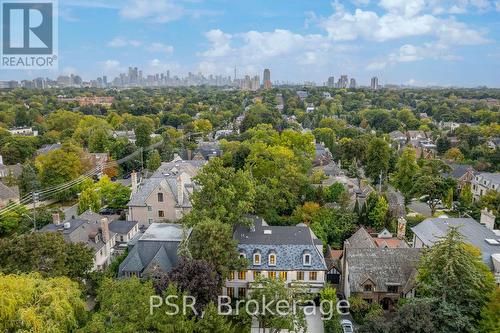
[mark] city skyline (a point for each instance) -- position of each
(418, 42)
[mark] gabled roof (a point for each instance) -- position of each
(458, 170)
(360, 239)
(122, 227)
(9, 192)
(383, 266)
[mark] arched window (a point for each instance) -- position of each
(306, 259)
(256, 258)
(272, 259)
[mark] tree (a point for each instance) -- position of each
(98, 142)
(442, 145)
(490, 314)
(334, 192)
(416, 316)
(406, 170)
(260, 114)
(123, 307)
(195, 277)
(454, 154)
(434, 187)
(35, 304)
(46, 253)
(213, 322)
(466, 195)
(57, 167)
(154, 160)
(378, 214)
(212, 241)
(377, 160)
(276, 295)
(453, 273)
(89, 200)
(143, 134)
(224, 194)
(332, 325)
(448, 198)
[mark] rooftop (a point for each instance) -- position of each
(163, 232)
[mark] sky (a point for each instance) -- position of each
(415, 42)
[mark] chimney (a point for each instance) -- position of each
(105, 230)
(56, 219)
(487, 218)
(180, 190)
(133, 178)
(401, 228)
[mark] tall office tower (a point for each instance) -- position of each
(105, 80)
(255, 83)
(352, 83)
(343, 81)
(374, 83)
(331, 81)
(267, 78)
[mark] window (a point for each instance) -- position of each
(242, 292)
(272, 259)
(230, 292)
(243, 255)
(231, 275)
(121, 238)
(367, 287)
(160, 197)
(313, 276)
(161, 213)
(271, 275)
(307, 259)
(150, 208)
(300, 276)
(392, 289)
(256, 259)
(256, 274)
(242, 275)
(150, 221)
(283, 276)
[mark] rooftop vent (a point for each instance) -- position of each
(492, 241)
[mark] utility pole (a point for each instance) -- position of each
(35, 199)
(380, 183)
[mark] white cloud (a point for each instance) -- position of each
(160, 11)
(112, 67)
(402, 19)
(161, 48)
(123, 42)
(220, 43)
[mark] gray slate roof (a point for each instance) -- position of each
(157, 247)
(361, 239)
(288, 242)
(9, 192)
(383, 266)
(458, 170)
(47, 148)
(430, 230)
(122, 227)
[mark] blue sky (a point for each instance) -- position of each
(418, 42)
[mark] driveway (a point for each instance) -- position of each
(314, 324)
(421, 208)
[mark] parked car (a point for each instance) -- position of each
(346, 326)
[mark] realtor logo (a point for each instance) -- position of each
(29, 34)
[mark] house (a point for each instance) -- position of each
(449, 125)
(124, 230)
(10, 170)
(8, 194)
(414, 137)
(223, 133)
(310, 108)
(322, 155)
(462, 173)
(155, 249)
(484, 182)
(47, 148)
(207, 150)
(165, 195)
(129, 135)
(493, 143)
(399, 138)
(377, 269)
(90, 229)
(302, 94)
(480, 235)
(291, 253)
(23, 131)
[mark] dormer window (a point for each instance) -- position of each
(306, 259)
(256, 258)
(242, 255)
(272, 259)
